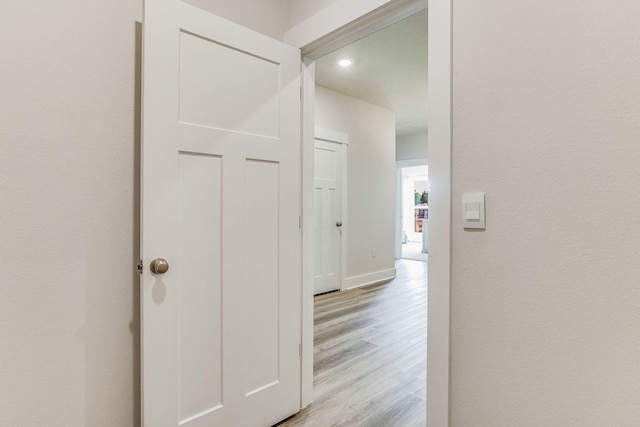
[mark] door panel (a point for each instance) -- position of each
(328, 211)
(210, 72)
(262, 278)
(220, 201)
(199, 291)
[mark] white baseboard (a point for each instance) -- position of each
(368, 279)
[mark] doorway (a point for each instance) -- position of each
(407, 125)
(412, 229)
(346, 22)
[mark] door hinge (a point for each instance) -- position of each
(301, 92)
(299, 350)
(300, 221)
(140, 267)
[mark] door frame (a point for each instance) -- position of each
(341, 139)
(341, 23)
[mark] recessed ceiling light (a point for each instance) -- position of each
(345, 62)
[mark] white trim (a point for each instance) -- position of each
(345, 21)
(369, 279)
(308, 146)
(398, 242)
(439, 154)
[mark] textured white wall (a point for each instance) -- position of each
(69, 82)
(68, 217)
(270, 17)
(299, 10)
(412, 146)
(545, 302)
(370, 177)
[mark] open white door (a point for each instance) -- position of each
(221, 203)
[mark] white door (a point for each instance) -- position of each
(328, 211)
(221, 203)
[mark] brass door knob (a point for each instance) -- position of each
(159, 266)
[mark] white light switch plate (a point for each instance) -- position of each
(473, 210)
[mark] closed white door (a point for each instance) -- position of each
(220, 203)
(328, 210)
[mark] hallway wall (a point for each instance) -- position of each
(370, 181)
(68, 217)
(545, 315)
(269, 17)
(412, 146)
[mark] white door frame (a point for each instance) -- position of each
(343, 140)
(342, 22)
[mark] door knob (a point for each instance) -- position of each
(339, 224)
(159, 266)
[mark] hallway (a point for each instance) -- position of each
(370, 354)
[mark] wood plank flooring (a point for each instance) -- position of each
(370, 355)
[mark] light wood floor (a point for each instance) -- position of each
(370, 355)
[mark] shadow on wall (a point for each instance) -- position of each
(137, 144)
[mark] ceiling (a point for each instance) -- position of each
(389, 69)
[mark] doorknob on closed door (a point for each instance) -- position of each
(159, 266)
(339, 224)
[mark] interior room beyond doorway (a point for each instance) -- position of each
(414, 188)
(369, 358)
(363, 115)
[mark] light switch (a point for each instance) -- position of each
(473, 210)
